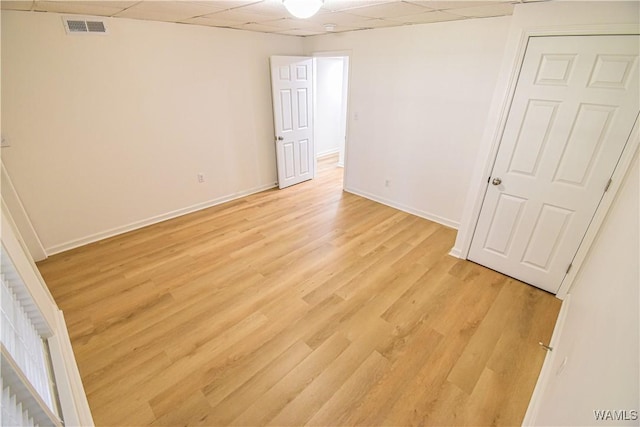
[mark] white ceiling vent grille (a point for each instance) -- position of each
(76, 25)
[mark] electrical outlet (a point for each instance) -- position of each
(5, 142)
(387, 182)
(200, 178)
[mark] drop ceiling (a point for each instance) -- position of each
(270, 16)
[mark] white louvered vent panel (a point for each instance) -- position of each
(76, 25)
(96, 27)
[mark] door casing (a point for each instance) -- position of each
(344, 54)
(493, 134)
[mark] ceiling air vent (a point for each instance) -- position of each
(75, 25)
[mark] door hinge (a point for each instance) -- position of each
(608, 185)
(569, 268)
(546, 347)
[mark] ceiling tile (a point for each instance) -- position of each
(388, 10)
(271, 16)
(380, 23)
(500, 9)
(258, 27)
(338, 18)
(239, 16)
(453, 4)
(16, 5)
(99, 8)
(230, 4)
(266, 7)
(301, 32)
(168, 10)
(429, 17)
(336, 5)
(296, 24)
(344, 29)
(211, 22)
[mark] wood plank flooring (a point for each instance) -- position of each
(303, 306)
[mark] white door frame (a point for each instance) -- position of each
(336, 53)
(493, 134)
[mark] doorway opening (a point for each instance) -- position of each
(331, 87)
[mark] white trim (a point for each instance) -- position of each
(547, 366)
(495, 126)
(21, 218)
(26, 268)
(619, 174)
(455, 252)
(154, 220)
(327, 153)
(332, 53)
(75, 409)
(341, 54)
(73, 399)
(490, 140)
(422, 214)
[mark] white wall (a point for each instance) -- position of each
(109, 132)
(418, 102)
(600, 334)
(329, 125)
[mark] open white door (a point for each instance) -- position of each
(292, 87)
(574, 106)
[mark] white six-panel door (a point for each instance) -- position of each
(292, 86)
(574, 106)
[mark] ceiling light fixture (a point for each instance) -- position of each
(302, 8)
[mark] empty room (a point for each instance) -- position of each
(320, 212)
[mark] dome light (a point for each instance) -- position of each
(302, 8)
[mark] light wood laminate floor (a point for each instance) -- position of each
(307, 305)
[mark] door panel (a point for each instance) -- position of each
(574, 106)
(584, 144)
(532, 136)
(303, 114)
(291, 81)
(504, 223)
(286, 110)
(549, 229)
(289, 160)
(305, 166)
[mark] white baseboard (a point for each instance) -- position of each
(422, 214)
(327, 153)
(153, 220)
(547, 366)
(456, 252)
